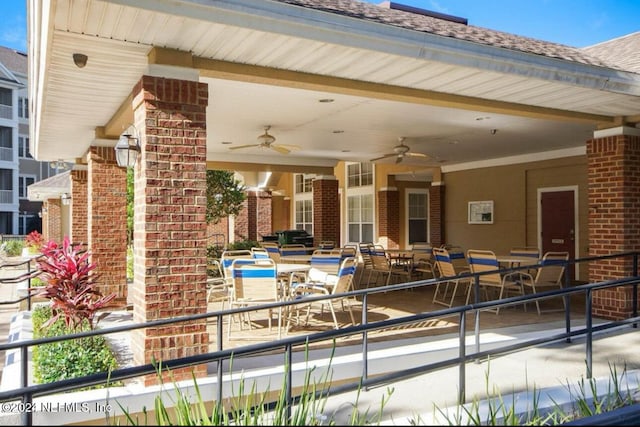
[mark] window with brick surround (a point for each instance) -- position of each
(360, 202)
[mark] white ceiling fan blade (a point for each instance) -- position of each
(244, 146)
(280, 149)
(417, 154)
(386, 156)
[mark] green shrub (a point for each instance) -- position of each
(13, 247)
(242, 244)
(67, 359)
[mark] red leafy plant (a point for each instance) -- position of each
(70, 284)
(34, 241)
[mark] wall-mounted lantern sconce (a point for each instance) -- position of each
(66, 198)
(59, 165)
(128, 148)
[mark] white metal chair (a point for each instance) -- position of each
(446, 291)
(548, 276)
(486, 261)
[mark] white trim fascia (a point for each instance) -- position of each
(333, 28)
(522, 158)
(388, 189)
(620, 130)
(173, 72)
(282, 160)
(437, 183)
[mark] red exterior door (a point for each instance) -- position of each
(558, 222)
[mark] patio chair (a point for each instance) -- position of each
(548, 276)
(485, 261)
(381, 266)
(530, 253)
(292, 250)
(364, 249)
(255, 282)
(327, 244)
(273, 249)
(457, 256)
(423, 259)
(346, 274)
(446, 291)
(227, 258)
(218, 288)
(259, 253)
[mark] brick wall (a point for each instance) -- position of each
(326, 210)
(241, 222)
(614, 217)
(170, 230)
(436, 215)
(79, 214)
(107, 225)
(389, 218)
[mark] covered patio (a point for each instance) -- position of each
(498, 118)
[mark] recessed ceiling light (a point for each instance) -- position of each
(226, 142)
(338, 131)
(455, 141)
(326, 100)
(483, 118)
(346, 151)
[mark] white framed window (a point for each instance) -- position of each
(360, 202)
(303, 183)
(359, 174)
(23, 182)
(23, 107)
(417, 215)
(304, 215)
(23, 147)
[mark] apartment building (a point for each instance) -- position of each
(18, 169)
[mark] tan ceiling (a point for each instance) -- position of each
(267, 63)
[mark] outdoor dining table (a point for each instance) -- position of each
(515, 260)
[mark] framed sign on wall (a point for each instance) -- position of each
(481, 212)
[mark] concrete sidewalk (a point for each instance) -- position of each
(551, 372)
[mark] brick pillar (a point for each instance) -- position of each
(51, 220)
(252, 215)
(436, 214)
(389, 217)
(78, 208)
(107, 225)
(241, 221)
(614, 215)
(326, 210)
(170, 229)
(264, 214)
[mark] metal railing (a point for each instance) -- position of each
(286, 345)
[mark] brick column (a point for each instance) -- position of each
(170, 230)
(389, 217)
(264, 214)
(78, 211)
(241, 221)
(51, 219)
(326, 210)
(614, 215)
(252, 215)
(107, 225)
(436, 214)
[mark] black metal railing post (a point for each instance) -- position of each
(567, 301)
(365, 343)
(477, 312)
(289, 381)
(589, 333)
(634, 299)
(27, 398)
(220, 334)
(29, 286)
(462, 353)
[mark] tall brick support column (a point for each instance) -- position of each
(78, 211)
(170, 230)
(389, 217)
(107, 226)
(614, 216)
(51, 218)
(436, 214)
(326, 210)
(242, 220)
(263, 214)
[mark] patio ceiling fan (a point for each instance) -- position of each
(400, 151)
(266, 140)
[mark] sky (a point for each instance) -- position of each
(576, 23)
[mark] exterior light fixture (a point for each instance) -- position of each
(128, 148)
(59, 165)
(66, 198)
(80, 59)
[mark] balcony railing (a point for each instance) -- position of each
(6, 196)
(6, 154)
(287, 345)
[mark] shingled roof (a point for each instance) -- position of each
(14, 60)
(428, 24)
(623, 51)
